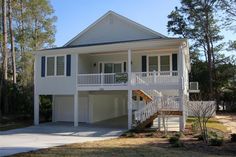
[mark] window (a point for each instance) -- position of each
(108, 68)
(164, 63)
(117, 68)
(50, 66)
(60, 65)
(153, 63)
(111, 67)
(56, 66)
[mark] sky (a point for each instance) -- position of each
(76, 15)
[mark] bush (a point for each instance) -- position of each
(195, 126)
(175, 141)
(233, 137)
(45, 108)
(216, 141)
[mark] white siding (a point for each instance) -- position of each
(55, 85)
(111, 29)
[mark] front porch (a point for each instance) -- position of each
(163, 80)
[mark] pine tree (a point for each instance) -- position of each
(195, 20)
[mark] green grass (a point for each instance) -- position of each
(213, 123)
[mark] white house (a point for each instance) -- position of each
(114, 68)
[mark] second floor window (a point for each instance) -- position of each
(55, 66)
(60, 65)
(50, 66)
(165, 63)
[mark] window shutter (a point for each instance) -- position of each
(174, 62)
(144, 63)
(43, 66)
(68, 65)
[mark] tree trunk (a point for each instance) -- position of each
(4, 55)
(13, 54)
(209, 53)
(13, 57)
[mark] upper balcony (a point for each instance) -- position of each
(161, 80)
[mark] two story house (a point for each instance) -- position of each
(115, 71)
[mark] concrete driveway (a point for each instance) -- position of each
(50, 135)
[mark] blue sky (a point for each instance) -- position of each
(75, 15)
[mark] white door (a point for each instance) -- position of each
(64, 108)
(83, 109)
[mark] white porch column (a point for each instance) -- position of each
(181, 88)
(76, 95)
(130, 109)
(129, 91)
(76, 109)
(129, 67)
(53, 109)
(159, 123)
(36, 109)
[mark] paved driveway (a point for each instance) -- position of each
(51, 134)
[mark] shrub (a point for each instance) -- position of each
(233, 137)
(178, 144)
(175, 141)
(195, 126)
(216, 141)
(212, 134)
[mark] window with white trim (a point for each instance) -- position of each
(165, 63)
(55, 66)
(60, 65)
(50, 66)
(153, 63)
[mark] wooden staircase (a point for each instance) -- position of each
(144, 95)
(148, 122)
(156, 106)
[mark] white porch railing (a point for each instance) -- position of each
(102, 79)
(162, 103)
(137, 78)
(147, 78)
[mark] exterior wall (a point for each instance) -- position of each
(119, 57)
(112, 29)
(95, 59)
(107, 105)
(85, 64)
(55, 85)
(97, 107)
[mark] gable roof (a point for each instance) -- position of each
(88, 36)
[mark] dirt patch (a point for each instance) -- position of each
(229, 120)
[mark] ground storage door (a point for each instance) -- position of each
(83, 109)
(64, 108)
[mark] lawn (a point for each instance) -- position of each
(213, 123)
(124, 147)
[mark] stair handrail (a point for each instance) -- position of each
(146, 112)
